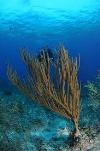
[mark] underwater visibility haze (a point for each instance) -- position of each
(49, 75)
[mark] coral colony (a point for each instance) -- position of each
(59, 92)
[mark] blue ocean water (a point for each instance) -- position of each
(34, 24)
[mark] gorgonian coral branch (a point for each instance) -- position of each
(59, 91)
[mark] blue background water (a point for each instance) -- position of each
(37, 23)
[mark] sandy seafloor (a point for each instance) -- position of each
(26, 126)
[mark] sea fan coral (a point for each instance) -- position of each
(52, 84)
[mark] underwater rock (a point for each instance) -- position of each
(85, 143)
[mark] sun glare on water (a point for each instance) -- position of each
(59, 5)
